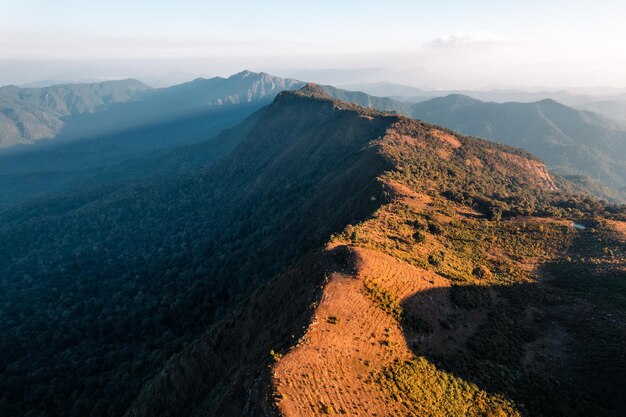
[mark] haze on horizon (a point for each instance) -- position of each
(430, 44)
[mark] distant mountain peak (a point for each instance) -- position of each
(550, 102)
(243, 74)
(313, 90)
(261, 76)
(460, 98)
(130, 83)
(247, 74)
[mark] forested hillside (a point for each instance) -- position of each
(118, 142)
(102, 287)
(569, 141)
(466, 292)
(28, 115)
(114, 135)
(177, 294)
(79, 111)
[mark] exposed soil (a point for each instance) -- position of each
(350, 336)
(446, 137)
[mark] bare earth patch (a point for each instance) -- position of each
(446, 137)
(406, 195)
(330, 370)
(474, 162)
(534, 169)
(619, 228)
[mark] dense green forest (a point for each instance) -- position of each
(165, 149)
(100, 288)
(114, 133)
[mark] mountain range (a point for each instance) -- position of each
(568, 140)
(605, 101)
(31, 114)
(613, 107)
(317, 258)
(79, 111)
(572, 142)
(123, 141)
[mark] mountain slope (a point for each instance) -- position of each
(206, 293)
(568, 140)
(22, 122)
(32, 114)
(167, 258)
(613, 108)
(82, 167)
(117, 140)
(245, 90)
(432, 305)
(368, 101)
(243, 87)
(78, 111)
(68, 99)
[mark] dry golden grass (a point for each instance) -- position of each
(353, 352)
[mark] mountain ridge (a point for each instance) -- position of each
(190, 113)
(218, 270)
(460, 182)
(79, 111)
(570, 141)
(25, 110)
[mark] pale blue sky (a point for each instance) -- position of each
(461, 42)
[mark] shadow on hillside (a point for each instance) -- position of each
(145, 115)
(537, 346)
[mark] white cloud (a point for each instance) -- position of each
(463, 39)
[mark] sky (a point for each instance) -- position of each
(436, 44)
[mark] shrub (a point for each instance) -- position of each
(435, 229)
(419, 237)
(482, 272)
(494, 213)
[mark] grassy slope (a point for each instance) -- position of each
(520, 288)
